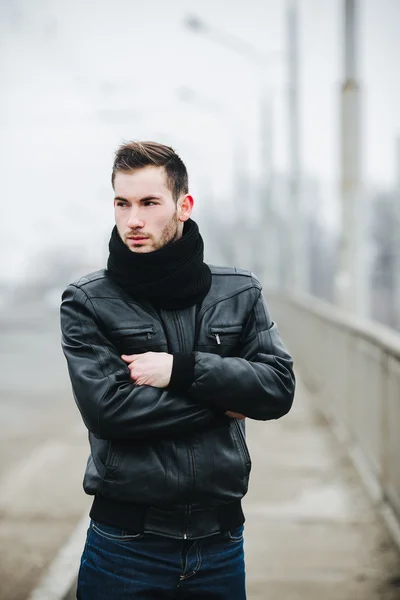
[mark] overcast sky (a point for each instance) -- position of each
(78, 78)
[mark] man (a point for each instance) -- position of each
(167, 356)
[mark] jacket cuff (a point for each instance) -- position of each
(182, 375)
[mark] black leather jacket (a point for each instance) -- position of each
(175, 453)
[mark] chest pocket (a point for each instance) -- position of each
(139, 339)
(225, 339)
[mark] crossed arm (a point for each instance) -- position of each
(155, 369)
(128, 397)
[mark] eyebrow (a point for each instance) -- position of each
(145, 199)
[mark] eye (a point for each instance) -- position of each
(149, 203)
(120, 203)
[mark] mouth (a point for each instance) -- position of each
(137, 239)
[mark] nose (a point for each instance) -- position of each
(135, 221)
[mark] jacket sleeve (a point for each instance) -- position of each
(259, 382)
(111, 405)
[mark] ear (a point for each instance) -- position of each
(185, 207)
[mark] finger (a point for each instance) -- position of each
(129, 357)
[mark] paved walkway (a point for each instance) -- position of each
(311, 531)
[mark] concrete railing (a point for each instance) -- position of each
(352, 367)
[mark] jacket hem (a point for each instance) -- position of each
(189, 523)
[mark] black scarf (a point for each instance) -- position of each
(173, 277)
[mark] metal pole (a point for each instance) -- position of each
(396, 241)
(259, 248)
(242, 251)
(267, 235)
(350, 277)
(294, 254)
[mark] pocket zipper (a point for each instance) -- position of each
(147, 331)
(216, 332)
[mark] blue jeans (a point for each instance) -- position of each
(117, 565)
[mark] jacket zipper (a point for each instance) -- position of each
(185, 530)
(188, 506)
(181, 339)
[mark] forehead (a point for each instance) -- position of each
(141, 182)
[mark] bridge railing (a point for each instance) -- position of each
(352, 368)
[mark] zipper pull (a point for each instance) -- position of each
(217, 338)
(148, 335)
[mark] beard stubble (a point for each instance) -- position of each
(168, 235)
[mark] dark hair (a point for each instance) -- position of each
(136, 155)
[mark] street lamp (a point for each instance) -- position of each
(206, 103)
(259, 58)
(351, 276)
(193, 22)
(231, 41)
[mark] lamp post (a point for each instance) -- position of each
(350, 276)
(294, 259)
(232, 42)
(239, 254)
(268, 221)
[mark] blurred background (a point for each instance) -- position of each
(286, 114)
(255, 101)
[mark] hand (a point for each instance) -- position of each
(234, 415)
(150, 368)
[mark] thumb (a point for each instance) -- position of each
(128, 357)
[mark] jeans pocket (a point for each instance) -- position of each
(236, 535)
(114, 534)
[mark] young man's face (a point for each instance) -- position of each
(146, 215)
